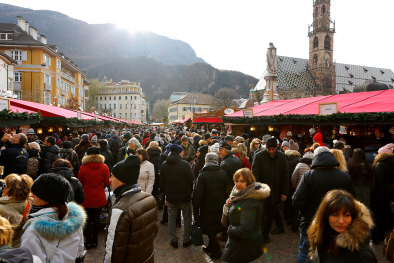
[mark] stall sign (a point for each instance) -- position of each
(328, 108)
(342, 130)
(4, 103)
(228, 111)
(79, 115)
(248, 113)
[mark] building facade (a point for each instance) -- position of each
(43, 74)
(123, 100)
(189, 103)
(6, 75)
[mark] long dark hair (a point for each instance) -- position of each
(354, 167)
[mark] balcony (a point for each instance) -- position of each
(67, 77)
(47, 87)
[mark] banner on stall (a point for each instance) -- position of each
(328, 108)
(248, 113)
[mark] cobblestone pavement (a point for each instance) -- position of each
(283, 248)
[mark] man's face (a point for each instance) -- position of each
(30, 136)
(14, 139)
(230, 142)
(115, 183)
(46, 143)
(222, 152)
(271, 151)
(184, 142)
(208, 140)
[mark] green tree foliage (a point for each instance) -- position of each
(94, 88)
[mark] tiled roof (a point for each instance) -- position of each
(20, 36)
(204, 99)
(247, 104)
(293, 75)
(12, 61)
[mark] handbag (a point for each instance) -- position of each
(196, 236)
(225, 216)
(388, 248)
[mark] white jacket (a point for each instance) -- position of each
(60, 241)
(146, 179)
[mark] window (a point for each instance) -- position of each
(120, 97)
(315, 60)
(114, 97)
(109, 97)
(47, 79)
(135, 107)
(131, 97)
(120, 115)
(6, 36)
(324, 9)
(105, 106)
(58, 64)
(58, 83)
(120, 106)
(125, 106)
(67, 87)
(18, 94)
(125, 115)
(135, 97)
(125, 97)
(315, 42)
(135, 115)
(114, 105)
(101, 98)
(17, 76)
(17, 55)
(114, 115)
(327, 42)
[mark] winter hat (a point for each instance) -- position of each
(127, 171)
(293, 145)
(66, 145)
(94, 139)
(272, 142)
(266, 137)
(103, 144)
(203, 149)
(214, 148)
(228, 138)
(127, 136)
(34, 145)
(207, 136)
(339, 145)
(388, 148)
(285, 143)
(93, 151)
(318, 138)
(245, 136)
(30, 131)
(107, 136)
(321, 149)
(51, 188)
(175, 148)
(167, 151)
(225, 145)
(85, 137)
(308, 155)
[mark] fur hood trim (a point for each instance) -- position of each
(97, 158)
(11, 215)
(154, 148)
(235, 150)
(382, 156)
(260, 193)
(197, 135)
(293, 153)
(355, 235)
(55, 229)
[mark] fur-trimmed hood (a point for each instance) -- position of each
(293, 153)
(261, 191)
(153, 148)
(47, 224)
(97, 158)
(12, 209)
(382, 156)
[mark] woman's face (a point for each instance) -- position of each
(285, 148)
(240, 183)
(340, 220)
(141, 157)
(38, 201)
(131, 146)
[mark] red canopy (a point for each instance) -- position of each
(213, 120)
(199, 120)
(20, 110)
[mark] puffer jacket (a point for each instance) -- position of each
(81, 149)
(299, 170)
(177, 178)
(353, 244)
(77, 194)
(60, 241)
(230, 164)
(131, 227)
(146, 179)
(49, 156)
(245, 239)
(189, 152)
(94, 176)
(371, 152)
(14, 158)
(208, 198)
(72, 157)
(12, 209)
(18, 255)
(324, 177)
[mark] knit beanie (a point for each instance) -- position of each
(34, 145)
(207, 135)
(214, 148)
(94, 139)
(266, 137)
(293, 145)
(272, 142)
(175, 148)
(245, 136)
(203, 149)
(51, 188)
(127, 136)
(308, 155)
(388, 148)
(85, 137)
(285, 143)
(66, 145)
(127, 171)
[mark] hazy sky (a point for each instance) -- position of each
(234, 35)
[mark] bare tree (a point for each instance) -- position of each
(160, 109)
(94, 87)
(72, 103)
(36, 94)
(225, 97)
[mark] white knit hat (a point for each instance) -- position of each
(321, 149)
(214, 148)
(308, 155)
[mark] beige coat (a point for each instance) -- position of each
(146, 179)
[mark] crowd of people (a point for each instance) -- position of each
(55, 191)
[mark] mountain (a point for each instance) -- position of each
(159, 80)
(85, 43)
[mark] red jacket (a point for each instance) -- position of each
(245, 161)
(94, 175)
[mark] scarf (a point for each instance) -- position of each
(236, 196)
(5, 248)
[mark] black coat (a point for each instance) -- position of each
(244, 243)
(75, 142)
(177, 178)
(323, 177)
(272, 171)
(198, 165)
(154, 157)
(371, 152)
(364, 255)
(209, 198)
(77, 194)
(109, 161)
(49, 156)
(14, 158)
(230, 164)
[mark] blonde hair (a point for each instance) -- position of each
(18, 186)
(252, 147)
(188, 134)
(246, 174)
(341, 159)
(315, 145)
(5, 232)
(242, 151)
(202, 142)
(136, 144)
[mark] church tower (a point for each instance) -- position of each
(321, 48)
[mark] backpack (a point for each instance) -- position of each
(32, 166)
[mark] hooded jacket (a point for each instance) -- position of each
(371, 152)
(146, 179)
(154, 157)
(77, 194)
(314, 184)
(81, 149)
(14, 158)
(75, 142)
(208, 198)
(94, 176)
(72, 157)
(49, 156)
(230, 164)
(131, 227)
(60, 241)
(177, 178)
(245, 240)
(299, 170)
(353, 244)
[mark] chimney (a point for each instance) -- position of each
(21, 22)
(43, 39)
(33, 32)
(27, 27)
